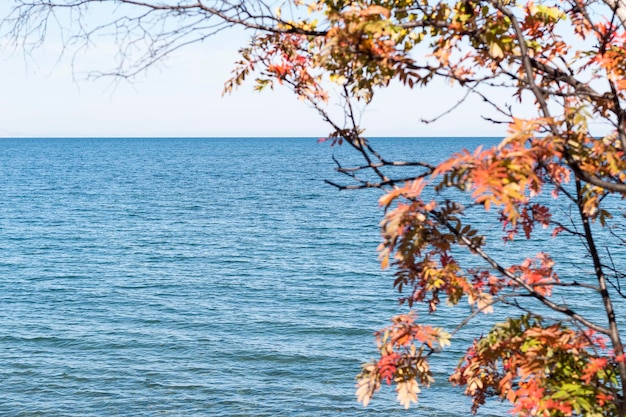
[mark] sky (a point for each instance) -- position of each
(44, 96)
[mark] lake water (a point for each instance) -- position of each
(196, 277)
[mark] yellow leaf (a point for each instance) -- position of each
(407, 392)
(372, 10)
(338, 79)
(495, 51)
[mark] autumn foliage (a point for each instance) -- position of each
(567, 61)
(564, 63)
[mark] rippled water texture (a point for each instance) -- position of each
(216, 277)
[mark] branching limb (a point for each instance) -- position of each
(504, 272)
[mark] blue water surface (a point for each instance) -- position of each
(196, 277)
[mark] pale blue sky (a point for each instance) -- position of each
(43, 97)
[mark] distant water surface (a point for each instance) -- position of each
(195, 277)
